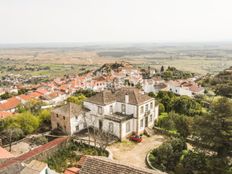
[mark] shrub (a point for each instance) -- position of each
(167, 156)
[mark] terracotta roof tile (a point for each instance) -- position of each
(103, 165)
(106, 97)
(9, 104)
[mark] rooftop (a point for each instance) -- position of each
(106, 97)
(34, 167)
(103, 165)
(69, 110)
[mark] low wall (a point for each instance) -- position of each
(149, 165)
(40, 153)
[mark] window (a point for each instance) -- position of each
(151, 105)
(128, 126)
(111, 109)
(123, 108)
(64, 117)
(57, 115)
(77, 128)
(76, 117)
(141, 109)
(146, 108)
(100, 110)
(111, 127)
(150, 118)
(141, 123)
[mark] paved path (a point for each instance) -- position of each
(135, 153)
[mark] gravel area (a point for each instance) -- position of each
(135, 153)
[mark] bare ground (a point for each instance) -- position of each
(135, 153)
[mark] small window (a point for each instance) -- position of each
(111, 109)
(76, 117)
(146, 109)
(128, 127)
(151, 105)
(57, 115)
(141, 123)
(64, 117)
(77, 128)
(111, 127)
(150, 118)
(100, 110)
(123, 108)
(141, 109)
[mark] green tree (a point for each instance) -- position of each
(182, 125)
(12, 134)
(28, 122)
(166, 156)
(167, 99)
(161, 108)
(44, 116)
(166, 122)
(186, 105)
(194, 163)
(78, 100)
(215, 128)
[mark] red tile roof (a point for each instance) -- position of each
(42, 91)
(72, 170)
(11, 103)
(33, 152)
(25, 97)
(35, 94)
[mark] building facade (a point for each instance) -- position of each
(120, 113)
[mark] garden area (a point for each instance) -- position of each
(30, 119)
(70, 154)
(207, 129)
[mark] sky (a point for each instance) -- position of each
(42, 21)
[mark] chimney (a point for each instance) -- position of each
(126, 98)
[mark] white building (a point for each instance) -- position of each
(185, 87)
(120, 113)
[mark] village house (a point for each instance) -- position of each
(154, 85)
(185, 87)
(54, 98)
(9, 105)
(68, 118)
(120, 113)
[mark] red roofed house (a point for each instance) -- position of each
(10, 105)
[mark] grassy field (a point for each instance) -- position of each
(60, 61)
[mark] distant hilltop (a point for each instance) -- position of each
(108, 67)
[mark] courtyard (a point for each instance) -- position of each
(135, 153)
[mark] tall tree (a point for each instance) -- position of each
(12, 134)
(215, 128)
